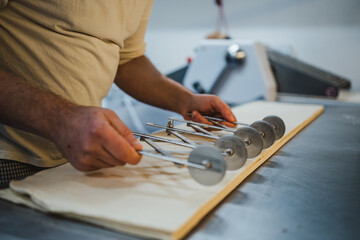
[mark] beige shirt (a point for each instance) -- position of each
(71, 48)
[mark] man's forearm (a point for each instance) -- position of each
(89, 137)
(140, 79)
(30, 108)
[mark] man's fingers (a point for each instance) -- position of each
(197, 117)
(107, 157)
(224, 109)
(90, 163)
(123, 130)
(100, 163)
(96, 160)
(83, 168)
(120, 148)
(228, 124)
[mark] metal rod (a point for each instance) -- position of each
(219, 124)
(188, 143)
(156, 147)
(238, 123)
(223, 120)
(161, 139)
(202, 124)
(183, 131)
(227, 152)
(200, 129)
(166, 155)
(172, 152)
(184, 139)
(172, 159)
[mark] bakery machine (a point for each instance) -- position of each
(237, 71)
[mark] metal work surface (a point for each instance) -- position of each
(310, 189)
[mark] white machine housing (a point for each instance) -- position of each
(251, 80)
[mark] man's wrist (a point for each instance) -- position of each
(65, 113)
(187, 103)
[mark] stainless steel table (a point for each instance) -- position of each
(310, 189)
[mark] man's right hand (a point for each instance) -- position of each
(89, 137)
(92, 138)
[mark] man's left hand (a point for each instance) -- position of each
(208, 105)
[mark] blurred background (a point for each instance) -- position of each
(324, 33)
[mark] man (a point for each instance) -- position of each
(58, 60)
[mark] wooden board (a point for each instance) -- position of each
(153, 199)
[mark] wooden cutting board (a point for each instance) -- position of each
(153, 199)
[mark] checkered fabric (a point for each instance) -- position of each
(12, 170)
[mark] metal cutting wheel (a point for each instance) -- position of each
(267, 132)
(211, 157)
(278, 125)
(252, 139)
(234, 149)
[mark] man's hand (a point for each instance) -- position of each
(208, 105)
(89, 137)
(92, 138)
(140, 79)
